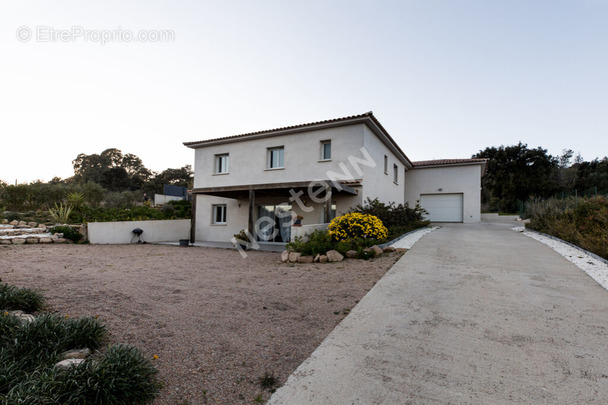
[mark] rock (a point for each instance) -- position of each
(401, 250)
(293, 256)
(32, 224)
(334, 256)
(18, 241)
(59, 235)
(389, 249)
(14, 222)
(22, 223)
(316, 259)
(42, 226)
(26, 319)
(64, 365)
(76, 354)
(285, 256)
(32, 240)
(16, 312)
(322, 259)
(305, 259)
(60, 240)
(351, 254)
(5, 241)
(5, 221)
(46, 240)
(377, 250)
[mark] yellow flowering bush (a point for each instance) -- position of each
(356, 225)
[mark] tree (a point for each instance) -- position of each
(181, 177)
(515, 173)
(111, 169)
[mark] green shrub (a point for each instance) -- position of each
(68, 232)
(391, 215)
(24, 299)
(581, 221)
(61, 213)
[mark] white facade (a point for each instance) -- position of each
(243, 178)
(462, 179)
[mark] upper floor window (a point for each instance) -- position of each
(325, 150)
(276, 159)
(385, 164)
(221, 163)
(219, 214)
(396, 174)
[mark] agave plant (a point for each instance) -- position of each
(61, 212)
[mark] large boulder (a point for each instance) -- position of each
(351, 254)
(305, 259)
(293, 256)
(65, 365)
(285, 256)
(377, 250)
(334, 256)
(389, 249)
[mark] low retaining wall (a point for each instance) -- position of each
(304, 230)
(154, 231)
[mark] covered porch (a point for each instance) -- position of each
(266, 210)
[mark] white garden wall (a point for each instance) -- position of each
(154, 231)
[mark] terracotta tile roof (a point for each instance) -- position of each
(352, 119)
(443, 162)
(293, 127)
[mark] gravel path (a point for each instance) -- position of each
(217, 322)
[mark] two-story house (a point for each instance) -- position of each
(264, 181)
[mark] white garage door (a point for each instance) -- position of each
(442, 207)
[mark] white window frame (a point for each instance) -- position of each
(217, 165)
(214, 210)
(395, 174)
(279, 162)
(323, 144)
(385, 164)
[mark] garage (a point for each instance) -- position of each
(443, 207)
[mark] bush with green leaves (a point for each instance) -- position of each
(580, 221)
(24, 299)
(68, 232)
(122, 376)
(29, 352)
(398, 219)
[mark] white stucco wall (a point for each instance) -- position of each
(452, 179)
(248, 158)
(237, 218)
(120, 232)
(376, 183)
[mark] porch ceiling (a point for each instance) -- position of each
(275, 189)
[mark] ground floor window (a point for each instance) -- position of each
(219, 214)
(274, 223)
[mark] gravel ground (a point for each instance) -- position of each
(217, 322)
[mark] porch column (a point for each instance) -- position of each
(193, 219)
(251, 210)
(328, 204)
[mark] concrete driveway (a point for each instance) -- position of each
(473, 314)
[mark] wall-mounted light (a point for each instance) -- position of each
(440, 189)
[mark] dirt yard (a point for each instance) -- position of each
(218, 323)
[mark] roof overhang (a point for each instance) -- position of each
(431, 164)
(368, 119)
(317, 187)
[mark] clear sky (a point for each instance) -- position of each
(446, 78)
